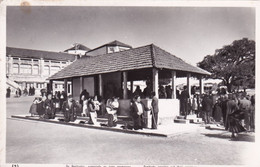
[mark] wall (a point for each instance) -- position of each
(99, 51)
(89, 85)
(112, 84)
(75, 88)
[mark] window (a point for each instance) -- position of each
(54, 69)
(46, 71)
(15, 68)
(26, 69)
(35, 69)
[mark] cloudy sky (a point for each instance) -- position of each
(187, 32)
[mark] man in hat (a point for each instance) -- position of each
(69, 109)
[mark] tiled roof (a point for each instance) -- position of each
(113, 43)
(137, 58)
(37, 54)
(78, 47)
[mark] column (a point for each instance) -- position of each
(188, 83)
(51, 85)
(132, 86)
(41, 66)
(156, 82)
(66, 86)
(125, 85)
(100, 84)
(201, 85)
(174, 84)
(81, 84)
(10, 65)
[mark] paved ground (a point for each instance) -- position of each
(40, 142)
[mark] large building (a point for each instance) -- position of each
(31, 68)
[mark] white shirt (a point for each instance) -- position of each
(139, 107)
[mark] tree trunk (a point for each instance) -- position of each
(229, 87)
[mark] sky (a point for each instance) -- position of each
(190, 33)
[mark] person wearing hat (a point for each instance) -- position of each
(48, 106)
(69, 109)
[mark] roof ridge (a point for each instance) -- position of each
(8, 47)
(152, 54)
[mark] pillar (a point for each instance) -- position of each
(66, 86)
(10, 65)
(51, 85)
(100, 84)
(81, 84)
(156, 82)
(188, 83)
(41, 66)
(201, 85)
(132, 86)
(125, 85)
(174, 85)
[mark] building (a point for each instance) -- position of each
(31, 68)
(77, 49)
(107, 73)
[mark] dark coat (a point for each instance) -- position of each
(207, 104)
(138, 119)
(155, 104)
(70, 113)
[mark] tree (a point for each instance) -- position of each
(234, 64)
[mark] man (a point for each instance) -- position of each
(8, 92)
(48, 106)
(69, 109)
(245, 106)
(231, 108)
(184, 98)
(207, 105)
(155, 110)
(138, 108)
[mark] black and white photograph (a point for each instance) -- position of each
(122, 85)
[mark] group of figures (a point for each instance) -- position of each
(48, 106)
(236, 111)
(19, 92)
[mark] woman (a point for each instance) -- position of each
(33, 108)
(194, 105)
(85, 106)
(112, 108)
(56, 102)
(217, 111)
(92, 112)
(235, 125)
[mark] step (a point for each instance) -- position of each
(191, 116)
(180, 117)
(183, 121)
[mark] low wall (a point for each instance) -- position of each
(168, 109)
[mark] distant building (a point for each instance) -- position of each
(114, 46)
(77, 49)
(31, 68)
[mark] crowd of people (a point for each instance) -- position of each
(19, 92)
(48, 105)
(235, 111)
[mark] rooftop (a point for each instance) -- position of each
(78, 47)
(137, 58)
(38, 54)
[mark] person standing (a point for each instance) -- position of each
(92, 112)
(69, 109)
(155, 110)
(207, 105)
(138, 108)
(8, 92)
(245, 106)
(232, 106)
(184, 98)
(49, 107)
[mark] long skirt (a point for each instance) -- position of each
(33, 109)
(40, 109)
(138, 122)
(234, 121)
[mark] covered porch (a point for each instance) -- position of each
(114, 75)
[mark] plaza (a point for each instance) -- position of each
(40, 142)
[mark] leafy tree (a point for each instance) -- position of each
(234, 64)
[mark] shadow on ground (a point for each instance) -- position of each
(241, 137)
